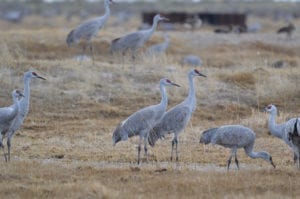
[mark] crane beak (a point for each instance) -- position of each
(41, 77)
(200, 74)
(164, 19)
(174, 84)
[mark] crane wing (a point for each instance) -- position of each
(142, 120)
(175, 120)
(126, 42)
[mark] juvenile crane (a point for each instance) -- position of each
(281, 130)
(135, 40)
(159, 48)
(23, 109)
(142, 121)
(294, 138)
(89, 29)
(177, 118)
(235, 137)
(7, 115)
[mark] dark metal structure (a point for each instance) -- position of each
(210, 18)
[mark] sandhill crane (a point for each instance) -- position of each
(191, 60)
(287, 29)
(176, 119)
(7, 115)
(140, 122)
(159, 48)
(89, 29)
(135, 40)
(280, 130)
(234, 137)
(294, 138)
(24, 108)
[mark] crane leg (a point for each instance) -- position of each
(236, 161)
(8, 147)
(173, 143)
(295, 158)
(176, 144)
(92, 52)
(229, 162)
(2, 146)
(145, 148)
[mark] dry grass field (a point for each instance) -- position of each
(64, 149)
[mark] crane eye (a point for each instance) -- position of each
(196, 71)
(168, 81)
(269, 107)
(33, 73)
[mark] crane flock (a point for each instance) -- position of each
(155, 121)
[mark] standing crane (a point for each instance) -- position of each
(281, 130)
(135, 40)
(177, 118)
(159, 48)
(24, 108)
(142, 121)
(7, 115)
(294, 138)
(235, 137)
(89, 29)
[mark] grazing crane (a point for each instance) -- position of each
(159, 48)
(135, 40)
(176, 119)
(142, 121)
(294, 138)
(24, 108)
(7, 115)
(89, 29)
(287, 29)
(280, 130)
(234, 137)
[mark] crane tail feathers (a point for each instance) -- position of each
(70, 38)
(154, 135)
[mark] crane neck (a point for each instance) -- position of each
(107, 10)
(191, 99)
(164, 96)
(273, 127)
(24, 102)
(153, 28)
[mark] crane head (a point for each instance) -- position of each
(271, 109)
(159, 17)
(168, 82)
(34, 74)
(109, 2)
(197, 73)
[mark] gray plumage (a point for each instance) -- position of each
(7, 116)
(281, 130)
(159, 48)
(294, 138)
(135, 40)
(176, 119)
(23, 109)
(89, 29)
(234, 137)
(192, 60)
(140, 122)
